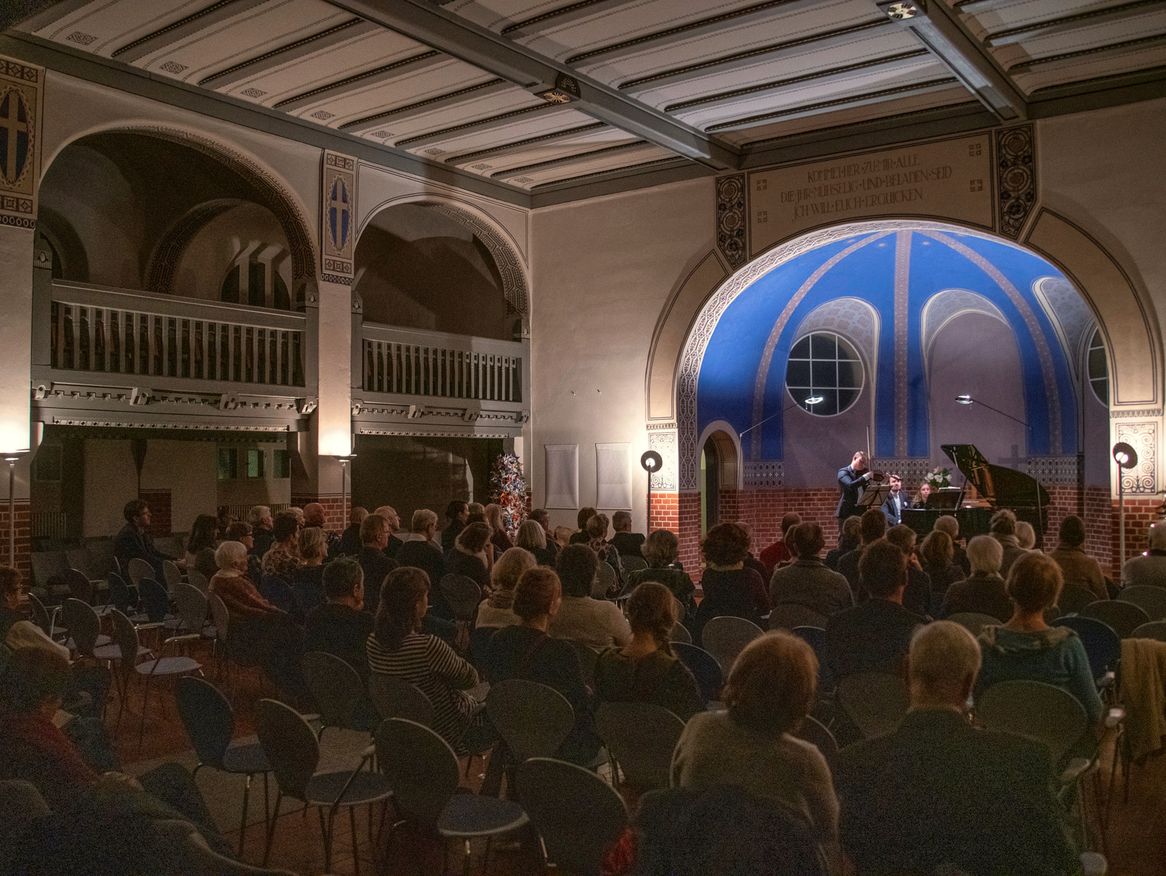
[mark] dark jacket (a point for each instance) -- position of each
(131, 543)
(851, 483)
(871, 637)
(658, 678)
(423, 555)
(628, 544)
(979, 593)
(341, 631)
(376, 566)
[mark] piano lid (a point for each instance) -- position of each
(1002, 486)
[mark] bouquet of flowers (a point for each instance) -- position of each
(508, 489)
(938, 477)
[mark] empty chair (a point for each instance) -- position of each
(640, 738)
(462, 594)
(1123, 617)
(605, 582)
(725, 637)
(787, 615)
(874, 702)
(210, 725)
(1075, 597)
(171, 573)
(704, 667)
(534, 720)
(197, 579)
(101, 561)
(79, 559)
(41, 616)
(120, 595)
(293, 751)
(1150, 599)
(339, 693)
(681, 634)
(137, 569)
(1153, 630)
(577, 814)
(1036, 710)
(973, 621)
(80, 587)
(83, 625)
(816, 733)
(422, 770)
(397, 698)
(192, 607)
(155, 602)
(48, 571)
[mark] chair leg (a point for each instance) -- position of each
(243, 822)
(355, 847)
(326, 832)
(271, 827)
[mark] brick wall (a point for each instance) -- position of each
(159, 501)
(1141, 511)
(23, 542)
(335, 515)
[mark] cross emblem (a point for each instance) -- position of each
(339, 214)
(15, 133)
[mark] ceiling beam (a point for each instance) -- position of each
(937, 28)
(193, 23)
(468, 94)
(488, 51)
(1070, 23)
(562, 17)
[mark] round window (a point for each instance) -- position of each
(824, 375)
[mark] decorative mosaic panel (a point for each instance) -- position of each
(1143, 477)
(662, 439)
(1049, 470)
(21, 89)
(1015, 178)
(731, 219)
(337, 217)
(764, 473)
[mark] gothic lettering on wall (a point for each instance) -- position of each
(731, 222)
(1015, 178)
(338, 218)
(20, 142)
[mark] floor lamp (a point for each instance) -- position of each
(344, 460)
(650, 462)
(1126, 457)
(12, 460)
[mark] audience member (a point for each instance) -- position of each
(949, 524)
(499, 537)
(469, 556)
(594, 622)
(751, 745)
(314, 517)
(374, 562)
(456, 513)
(134, 541)
(240, 531)
(778, 552)
(1002, 527)
(562, 536)
(917, 596)
(296, 512)
(580, 535)
(350, 543)
(223, 519)
(498, 609)
(540, 516)
(848, 540)
(646, 670)
(872, 526)
(626, 542)
(341, 626)
(398, 648)
(527, 652)
(533, 538)
(393, 519)
(596, 528)
(1025, 535)
(16, 631)
(982, 592)
(938, 794)
(938, 554)
(202, 542)
(419, 549)
(283, 557)
(751, 562)
(260, 519)
(475, 513)
(806, 581)
(660, 552)
(874, 635)
(307, 581)
(1026, 647)
(1150, 567)
(1077, 566)
(729, 588)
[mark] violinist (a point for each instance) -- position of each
(852, 480)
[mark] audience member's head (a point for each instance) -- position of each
(344, 582)
(1003, 522)
(651, 610)
(285, 527)
(872, 525)
(202, 533)
(1025, 535)
(457, 510)
(391, 517)
(314, 514)
(357, 516)
(540, 516)
(660, 548)
(374, 532)
(725, 545)
(806, 540)
(985, 555)
(424, 522)
(404, 601)
(296, 512)
(11, 586)
(937, 549)
(509, 567)
(493, 514)
(562, 535)
(1156, 536)
(134, 511)
(852, 530)
(259, 517)
(621, 521)
(771, 684)
(583, 516)
(1072, 531)
(789, 520)
(747, 529)
(473, 537)
(942, 665)
(313, 544)
(949, 524)
(34, 680)
(531, 536)
(577, 566)
(241, 531)
(902, 536)
(231, 556)
(1034, 583)
(596, 527)
(883, 569)
(475, 512)
(537, 594)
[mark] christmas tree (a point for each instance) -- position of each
(508, 489)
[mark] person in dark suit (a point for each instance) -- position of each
(134, 541)
(937, 791)
(851, 480)
(895, 502)
(374, 537)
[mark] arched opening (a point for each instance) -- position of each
(719, 479)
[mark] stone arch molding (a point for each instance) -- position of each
(501, 246)
(280, 198)
(689, 318)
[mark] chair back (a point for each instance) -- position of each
(874, 702)
(973, 621)
(125, 636)
(101, 561)
(192, 606)
(555, 795)
(278, 592)
(80, 587)
(604, 582)
(40, 614)
(681, 634)
(632, 563)
(171, 573)
(137, 569)
(21, 805)
(198, 579)
(119, 592)
(397, 698)
(83, 625)
(462, 594)
(532, 719)
(641, 738)
(816, 733)
(154, 599)
(1122, 617)
(290, 746)
(1075, 597)
(787, 615)
(220, 617)
(47, 565)
(207, 717)
(588, 657)
(1101, 641)
(480, 639)
(1150, 599)
(336, 687)
(79, 559)
(1037, 710)
(421, 768)
(1155, 630)
(704, 668)
(815, 637)
(726, 636)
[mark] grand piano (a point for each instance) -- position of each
(997, 487)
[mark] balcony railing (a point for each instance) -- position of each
(114, 331)
(436, 364)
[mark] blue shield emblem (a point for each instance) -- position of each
(15, 135)
(339, 214)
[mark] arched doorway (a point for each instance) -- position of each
(720, 480)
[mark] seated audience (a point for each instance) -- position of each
(202, 542)
(917, 596)
(660, 552)
(562, 536)
(596, 528)
(314, 517)
(533, 538)
(872, 526)
(1002, 527)
(16, 630)
(751, 745)
(751, 562)
(525, 651)
(580, 535)
(475, 513)
(283, 557)
(374, 562)
(628, 543)
(350, 543)
(940, 795)
(938, 555)
(806, 581)
(949, 524)
(456, 513)
(398, 648)
(729, 588)
(848, 540)
(419, 549)
(982, 592)
(1026, 647)
(307, 582)
(1025, 535)
(874, 635)
(1078, 567)
(499, 537)
(223, 519)
(540, 516)
(341, 626)
(498, 609)
(469, 556)
(1150, 567)
(594, 622)
(260, 519)
(778, 553)
(240, 531)
(393, 519)
(646, 670)
(134, 541)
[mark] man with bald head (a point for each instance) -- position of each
(314, 516)
(394, 520)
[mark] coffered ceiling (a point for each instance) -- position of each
(552, 96)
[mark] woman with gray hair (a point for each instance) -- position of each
(983, 591)
(532, 537)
